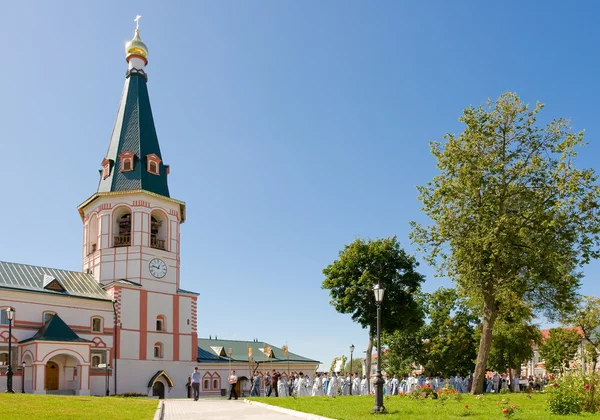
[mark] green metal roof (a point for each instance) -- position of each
(219, 348)
(56, 330)
(134, 132)
(34, 279)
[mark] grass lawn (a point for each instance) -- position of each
(58, 407)
(485, 407)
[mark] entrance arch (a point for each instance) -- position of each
(158, 390)
(52, 377)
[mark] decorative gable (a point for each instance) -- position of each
(153, 164)
(106, 166)
(50, 283)
(127, 159)
(219, 351)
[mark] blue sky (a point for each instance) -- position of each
(291, 129)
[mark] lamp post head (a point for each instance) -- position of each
(352, 348)
(23, 364)
(379, 291)
(10, 313)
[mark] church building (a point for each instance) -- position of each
(122, 323)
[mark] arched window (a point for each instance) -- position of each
(206, 384)
(122, 228)
(92, 234)
(215, 383)
(161, 324)
(127, 165)
(158, 230)
(153, 164)
(158, 350)
(96, 360)
(3, 359)
(96, 324)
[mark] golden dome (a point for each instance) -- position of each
(136, 47)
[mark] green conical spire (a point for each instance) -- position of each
(134, 134)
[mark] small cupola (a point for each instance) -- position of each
(136, 47)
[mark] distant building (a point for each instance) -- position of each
(536, 366)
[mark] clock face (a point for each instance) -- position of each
(158, 268)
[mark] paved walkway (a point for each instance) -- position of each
(219, 410)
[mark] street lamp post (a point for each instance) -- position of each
(351, 373)
(107, 380)
(23, 378)
(379, 408)
(10, 314)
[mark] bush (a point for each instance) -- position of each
(505, 391)
(423, 392)
(573, 393)
(131, 394)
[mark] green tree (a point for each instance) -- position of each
(449, 336)
(355, 367)
(514, 335)
(559, 348)
(445, 345)
(405, 351)
(362, 264)
(512, 216)
(587, 317)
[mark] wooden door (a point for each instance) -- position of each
(51, 376)
(158, 390)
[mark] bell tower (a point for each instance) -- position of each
(131, 231)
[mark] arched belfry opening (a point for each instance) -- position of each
(122, 227)
(158, 230)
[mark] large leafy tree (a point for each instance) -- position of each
(586, 316)
(559, 348)
(364, 263)
(512, 216)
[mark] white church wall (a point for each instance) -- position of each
(185, 344)
(185, 315)
(133, 376)
(131, 348)
(130, 309)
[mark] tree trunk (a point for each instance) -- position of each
(369, 351)
(490, 312)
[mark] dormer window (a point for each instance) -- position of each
(153, 164)
(126, 159)
(105, 168)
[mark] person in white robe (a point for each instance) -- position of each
(282, 387)
(356, 384)
(363, 386)
(345, 381)
(302, 390)
(334, 385)
(387, 387)
(458, 384)
(395, 385)
(465, 384)
(317, 387)
(515, 384)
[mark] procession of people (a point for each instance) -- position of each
(331, 384)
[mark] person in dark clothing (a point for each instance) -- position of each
(233, 382)
(274, 380)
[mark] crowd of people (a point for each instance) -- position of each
(302, 385)
(333, 384)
